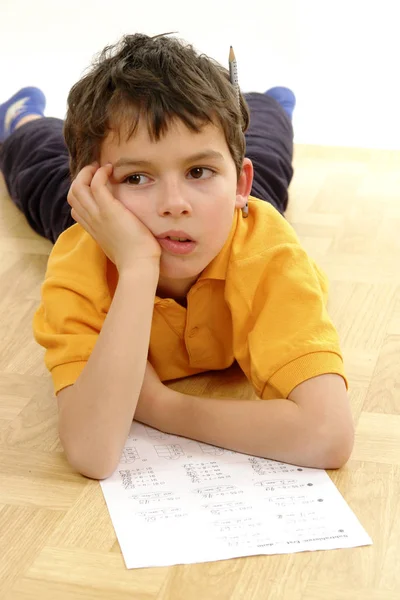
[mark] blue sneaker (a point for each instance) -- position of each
(285, 97)
(28, 101)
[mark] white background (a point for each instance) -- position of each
(341, 57)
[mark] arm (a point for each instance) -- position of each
(312, 428)
(95, 414)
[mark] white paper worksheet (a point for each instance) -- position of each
(176, 501)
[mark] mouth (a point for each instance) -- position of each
(177, 239)
(175, 235)
(176, 242)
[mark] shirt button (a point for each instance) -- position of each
(193, 332)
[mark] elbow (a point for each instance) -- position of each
(94, 471)
(337, 447)
(91, 464)
(90, 455)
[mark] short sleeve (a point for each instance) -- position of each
(289, 336)
(75, 299)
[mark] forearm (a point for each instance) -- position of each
(96, 415)
(276, 429)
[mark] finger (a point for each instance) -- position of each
(80, 194)
(85, 175)
(81, 199)
(100, 189)
(80, 207)
(81, 221)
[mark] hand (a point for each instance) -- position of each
(121, 235)
(154, 400)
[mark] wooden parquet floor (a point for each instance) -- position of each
(56, 539)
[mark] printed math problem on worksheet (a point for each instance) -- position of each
(177, 501)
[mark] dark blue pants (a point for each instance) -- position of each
(34, 161)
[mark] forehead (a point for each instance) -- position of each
(177, 141)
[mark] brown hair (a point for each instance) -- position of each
(160, 78)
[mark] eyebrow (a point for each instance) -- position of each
(206, 155)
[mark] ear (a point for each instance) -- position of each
(244, 183)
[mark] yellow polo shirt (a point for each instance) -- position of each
(261, 302)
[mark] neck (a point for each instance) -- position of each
(177, 289)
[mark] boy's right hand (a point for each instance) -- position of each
(121, 235)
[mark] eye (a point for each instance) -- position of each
(136, 179)
(201, 173)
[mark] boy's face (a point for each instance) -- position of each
(185, 185)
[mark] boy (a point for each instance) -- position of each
(163, 276)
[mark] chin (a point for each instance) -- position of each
(180, 268)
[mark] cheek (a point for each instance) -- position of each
(130, 200)
(217, 220)
(118, 192)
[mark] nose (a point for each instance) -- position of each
(173, 201)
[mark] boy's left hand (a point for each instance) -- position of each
(153, 400)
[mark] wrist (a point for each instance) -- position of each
(143, 269)
(178, 405)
